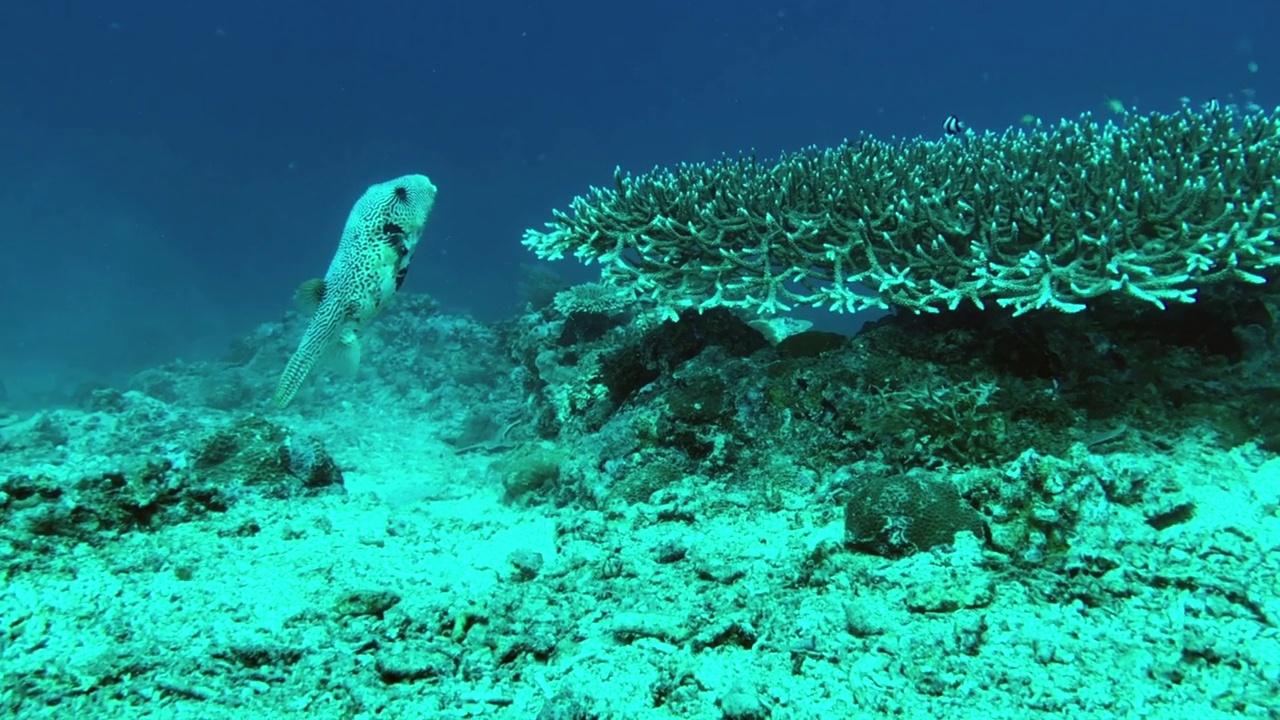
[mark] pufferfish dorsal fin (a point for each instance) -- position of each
(308, 295)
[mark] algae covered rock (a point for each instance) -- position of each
(529, 469)
(147, 490)
(898, 515)
(275, 462)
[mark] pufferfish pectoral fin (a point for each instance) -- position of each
(308, 295)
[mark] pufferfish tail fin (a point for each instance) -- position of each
(323, 332)
(323, 345)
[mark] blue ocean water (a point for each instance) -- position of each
(170, 171)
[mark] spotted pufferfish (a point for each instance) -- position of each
(373, 256)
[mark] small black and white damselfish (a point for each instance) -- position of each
(953, 126)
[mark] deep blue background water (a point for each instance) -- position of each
(170, 171)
